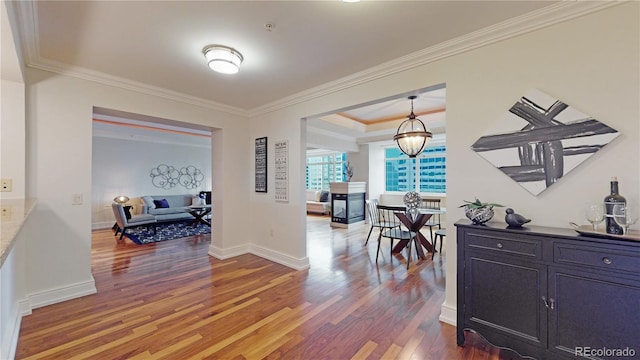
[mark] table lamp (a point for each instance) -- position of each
(121, 199)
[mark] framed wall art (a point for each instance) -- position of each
(261, 164)
(282, 170)
(540, 139)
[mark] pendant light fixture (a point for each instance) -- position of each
(223, 59)
(412, 135)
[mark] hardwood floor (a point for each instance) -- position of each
(170, 300)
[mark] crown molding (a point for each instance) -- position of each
(28, 25)
(547, 16)
(115, 81)
(26, 14)
(333, 135)
(535, 20)
(139, 138)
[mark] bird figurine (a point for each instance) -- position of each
(515, 220)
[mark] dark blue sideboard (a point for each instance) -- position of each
(549, 293)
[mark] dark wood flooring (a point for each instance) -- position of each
(170, 300)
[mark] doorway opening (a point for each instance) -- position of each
(136, 155)
(364, 134)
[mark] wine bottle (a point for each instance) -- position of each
(609, 201)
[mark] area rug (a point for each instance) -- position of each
(166, 231)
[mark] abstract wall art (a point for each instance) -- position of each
(166, 177)
(540, 139)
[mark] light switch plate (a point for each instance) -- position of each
(6, 185)
(76, 199)
(5, 213)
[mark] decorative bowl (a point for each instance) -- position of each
(479, 215)
(412, 200)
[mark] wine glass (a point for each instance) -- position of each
(594, 212)
(625, 215)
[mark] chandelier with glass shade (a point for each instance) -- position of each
(412, 135)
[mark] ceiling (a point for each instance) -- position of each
(157, 45)
(380, 120)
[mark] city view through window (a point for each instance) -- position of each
(400, 170)
(401, 175)
(322, 170)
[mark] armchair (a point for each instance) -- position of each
(136, 220)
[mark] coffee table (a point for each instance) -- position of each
(199, 212)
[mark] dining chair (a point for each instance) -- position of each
(434, 221)
(374, 218)
(394, 231)
(441, 233)
(372, 210)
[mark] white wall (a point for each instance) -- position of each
(359, 161)
(12, 165)
(12, 294)
(122, 167)
(376, 180)
(319, 139)
(278, 229)
(12, 111)
(12, 138)
(60, 164)
(576, 61)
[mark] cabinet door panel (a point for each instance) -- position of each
(594, 310)
(506, 296)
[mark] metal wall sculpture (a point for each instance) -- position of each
(540, 139)
(166, 177)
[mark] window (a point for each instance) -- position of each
(401, 175)
(324, 169)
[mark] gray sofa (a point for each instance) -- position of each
(178, 207)
(314, 203)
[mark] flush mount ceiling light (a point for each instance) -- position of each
(223, 59)
(412, 135)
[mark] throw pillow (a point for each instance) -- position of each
(148, 202)
(161, 204)
(195, 201)
(318, 195)
(324, 196)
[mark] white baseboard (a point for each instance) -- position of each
(24, 307)
(102, 225)
(448, 314)
(10, 340)
(227, 253)
(48, 297)
(280, 258)
(271, 255)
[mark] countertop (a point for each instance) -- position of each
(13, 213)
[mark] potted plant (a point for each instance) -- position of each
(479, 212)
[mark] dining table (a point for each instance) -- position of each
(414, 221)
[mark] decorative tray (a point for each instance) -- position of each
(587, 230)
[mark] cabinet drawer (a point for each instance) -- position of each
(522, 246)
(597, 257)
